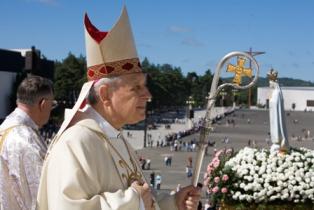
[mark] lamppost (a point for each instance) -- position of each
(234, 93)
(190, 114)
(207, 98)
(147, 112)
(223, 93)
(252, 53)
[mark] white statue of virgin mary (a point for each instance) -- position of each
(277, 117)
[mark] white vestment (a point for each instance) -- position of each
(21, 158)
(85, 171)
(278, 131)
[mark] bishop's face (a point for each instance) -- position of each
(129, 98)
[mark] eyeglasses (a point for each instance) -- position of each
(54, 103)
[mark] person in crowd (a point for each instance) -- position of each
(178, 187)
(169, 161)
(188, 171)
(152, 179)
(190, 161)
(158, 181)
(148, 161)
(22, 149)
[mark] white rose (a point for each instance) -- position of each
(270, 191)
(284, 196)
(234, 197)
(290, 187)
(246, 188)
(278, 189)
(242, 197)
(249, 178)
(242, 185)
(279, 183)
(245, 171)
(273, 198)
(298, 178)
(279, 169)
(249, 198)
(268, 170)
(266, 184)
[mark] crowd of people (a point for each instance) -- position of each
(49, 131)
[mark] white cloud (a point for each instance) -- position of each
(178, 29)
(190, 41)
(46, 2)
(149, 46)
(185, 60)
(295, 65)
(308, 52)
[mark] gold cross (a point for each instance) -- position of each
(239, 70)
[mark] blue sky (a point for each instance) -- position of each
(193, 35)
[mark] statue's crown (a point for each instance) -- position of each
(272, 75)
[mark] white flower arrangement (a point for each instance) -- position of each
(263, 177)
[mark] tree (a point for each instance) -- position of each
(167, 85)
(70, 75)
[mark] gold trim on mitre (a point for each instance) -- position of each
(114, 69)
(272, 75)
(111, 53)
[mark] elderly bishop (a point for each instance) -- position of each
(89, 165)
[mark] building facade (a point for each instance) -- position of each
(13, 65)
(295, 98)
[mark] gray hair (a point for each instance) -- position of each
(33, 88)
(93, 95)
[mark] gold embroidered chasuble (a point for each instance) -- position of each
(22, 153)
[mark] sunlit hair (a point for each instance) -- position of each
(94, 92)
(32, 89)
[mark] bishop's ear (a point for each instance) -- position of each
(103, 94)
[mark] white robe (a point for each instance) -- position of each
(21, 158)
(83, 172)
(278, 131)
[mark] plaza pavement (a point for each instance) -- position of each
(137, 139)
(256, 130)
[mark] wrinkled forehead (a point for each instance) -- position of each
(133, 79)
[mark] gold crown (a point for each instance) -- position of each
(272, 75)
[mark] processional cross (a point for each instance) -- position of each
(239, 70)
